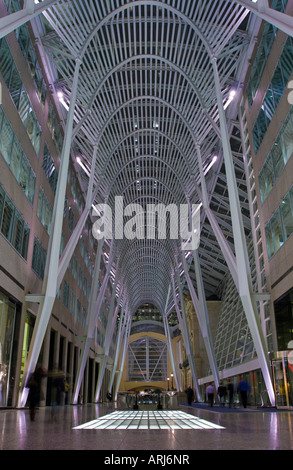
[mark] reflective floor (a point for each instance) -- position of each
(189, 428)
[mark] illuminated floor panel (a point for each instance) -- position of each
(149, 420)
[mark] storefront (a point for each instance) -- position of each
(282, 365)
(9, 332)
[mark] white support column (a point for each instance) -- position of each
(243, 270)
(14, 20)
(93, 313)
(51, 271)
(169, 341)
(226, 249)
(117, 349)
(90, 322)
(125, 344)
(74, 238)
(184, 329)
(201, 311)
(108, 339)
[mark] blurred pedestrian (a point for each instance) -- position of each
(222, 391)
(34, 385)
(243, 388)
(210, 391)
(190, 395)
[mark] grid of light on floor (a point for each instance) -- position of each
(148, 420)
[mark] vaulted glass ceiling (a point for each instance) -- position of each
(146, 104)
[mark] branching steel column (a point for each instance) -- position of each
(184, 329)
(147, 351)
(243, 270)
(169, 341)
(202, 314)
(122, 361)
(94, 309)
(118, 344)
(73, 240)
(226, 250)
(51, 271)
(90, 322)
(108, 338)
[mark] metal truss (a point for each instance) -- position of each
(147, 88)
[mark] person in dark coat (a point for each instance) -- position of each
(222, 390)
(34, 385)
(190, 395)
(243, 389)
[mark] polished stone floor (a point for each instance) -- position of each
(238, 429)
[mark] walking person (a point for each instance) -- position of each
(243, 389)
(222, 390)
(34, 385)
(210, 391)
(190, 395)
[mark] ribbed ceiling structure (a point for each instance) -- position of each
(146, 103)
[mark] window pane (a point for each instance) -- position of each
(287, 216)
(16, 159)
(269, 240)
(7, 220)
(277, 158)
(31, 186)
(16, 239)
(278, 85)
(286, 60)
(15, 86)
(24, 108)
(6, 139)
(25, 241)
(6, 62)
(277, 232)
(2, 198)
(23, 39)
(286, 139)
(24, 174)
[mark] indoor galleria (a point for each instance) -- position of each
(110, 314)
